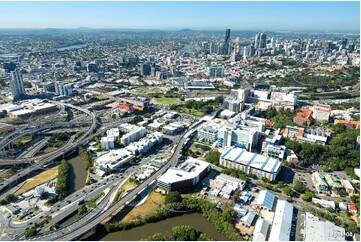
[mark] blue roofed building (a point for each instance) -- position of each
(265, 200)
(248, 162)
(249, 218)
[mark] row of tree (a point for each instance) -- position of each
(180, 233)
(63, 182)
(222, 221)
(86, 157)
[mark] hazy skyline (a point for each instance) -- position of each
(327, 16)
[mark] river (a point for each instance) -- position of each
(195, 220)
(72, 47)
(78, 177)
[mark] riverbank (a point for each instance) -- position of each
(165, 226)
(221, 220)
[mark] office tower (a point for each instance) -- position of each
(245, 52)
(145, 69)
(67, 89)
(92, 67)
(260, 40)
(344, 42)
(227, 40)
(17, 85)
(213, 48)
(273, 42)
(263, 40)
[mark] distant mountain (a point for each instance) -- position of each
(186, 30)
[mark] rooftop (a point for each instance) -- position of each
(253, 160)
(316, 230)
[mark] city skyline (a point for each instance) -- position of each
(260, 16)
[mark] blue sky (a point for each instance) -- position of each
(261, 16)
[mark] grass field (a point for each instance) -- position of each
(128, 185)
(165, 100)
(145, 90)
(194, 112)
(154, 200)
(38, 180)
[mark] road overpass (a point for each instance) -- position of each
(97, 215)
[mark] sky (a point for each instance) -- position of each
(258, 16)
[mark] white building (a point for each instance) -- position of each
(246, 138)
(248, 162)
(134, 133)
(260, 230)
(282, 222)
(114, 132)
(114, 159)
(107, 143)
(185, 175)
(316, 230)
(145, 144)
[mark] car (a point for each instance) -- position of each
(41, 217)
(30, 223)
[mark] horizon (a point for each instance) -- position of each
(170, 16)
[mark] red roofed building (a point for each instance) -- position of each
(126, 107)
(352, 208)
(321, 112)
(349, 124)
(303, 116)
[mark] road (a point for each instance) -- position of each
(98, 214)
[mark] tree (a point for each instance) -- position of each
(82, 210)
(213, 157)
(339, 128)
(288, 191)
(299, 187)
(137, 119)
(9, 197)
(173, 197)
(308, 196)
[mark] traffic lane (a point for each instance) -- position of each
(88, 192)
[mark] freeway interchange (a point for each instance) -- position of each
(69, 205)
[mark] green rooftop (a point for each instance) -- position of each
(333, 181)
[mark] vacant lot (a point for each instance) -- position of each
(154, 201)
(38, 180)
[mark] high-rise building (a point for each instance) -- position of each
(227, 41)
(145, 69)
(260, 40)
(17, 85)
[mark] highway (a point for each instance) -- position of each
(97, 215)
(68, 205)
(84, 139)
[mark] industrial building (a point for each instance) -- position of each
(316, 230)
(265, 200)
(282, 222)
(261, 229)
(249, 162)
(184, 175)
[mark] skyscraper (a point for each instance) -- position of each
(260, 40)
(17, 85)
(227, 40)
